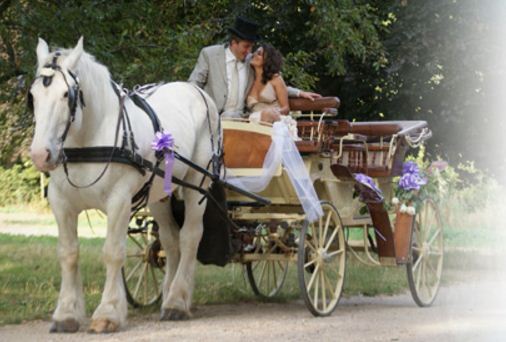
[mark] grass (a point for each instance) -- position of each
(30, 279)
(30, 273)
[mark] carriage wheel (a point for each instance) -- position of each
(266, 276)
(143, 271)
(426, 254)
(321, 262)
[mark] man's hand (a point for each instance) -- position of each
(309, 95)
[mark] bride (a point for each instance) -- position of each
(268, 98)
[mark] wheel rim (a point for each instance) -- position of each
(143, 271)
(321, 262)
(426, 265)
(265, 276)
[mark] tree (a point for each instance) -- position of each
(385, 59)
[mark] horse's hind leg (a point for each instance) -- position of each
(112, 311)
(169, 238)
(70, 308)
(176, 306)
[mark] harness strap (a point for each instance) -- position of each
(141, 103)
(116, 134)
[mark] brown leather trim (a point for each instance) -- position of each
(320, 104)
(245, 149)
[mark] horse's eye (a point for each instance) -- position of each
(66, 94)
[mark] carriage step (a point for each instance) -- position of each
(232, 204)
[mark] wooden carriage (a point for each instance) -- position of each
(265, 238)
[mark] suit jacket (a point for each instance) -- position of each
(210, 74)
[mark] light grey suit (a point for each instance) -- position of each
(210, 74)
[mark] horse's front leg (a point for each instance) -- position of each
(70, 310)
(111, 313)
(176, 305)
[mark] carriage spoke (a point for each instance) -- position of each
(268, 276)
(133, 270)
(327, 224)
(138, 285)
(281, 266)
(137, 243)
(275, 278)
(417, 263)
(309, 263)
(334, 233)
(431, 268)
(331, 254)
(313, 276)
(330, 286)
(262, 273)
(255, 266)
(317, 288)
(320, 231)
(145, 283)
(313, 248)
(155, 281)
(324, 294)
(418, 278)
(433, 238)
(135, 255)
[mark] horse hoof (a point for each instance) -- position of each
(103, 326)
(174, 315)
(68, 325)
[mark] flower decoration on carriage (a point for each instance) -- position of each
(367, 189)
(164, 142)
(408, 190)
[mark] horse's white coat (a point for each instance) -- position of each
(182, 112)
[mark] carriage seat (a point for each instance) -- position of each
(323, 105)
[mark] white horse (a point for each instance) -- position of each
(182, 112)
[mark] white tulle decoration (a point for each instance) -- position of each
(283, 150)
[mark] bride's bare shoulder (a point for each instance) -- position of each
(277, 80)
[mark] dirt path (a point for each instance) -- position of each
(471, 311)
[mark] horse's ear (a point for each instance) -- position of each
(42, 51)
(71, 61)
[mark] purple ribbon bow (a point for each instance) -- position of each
(165, 142)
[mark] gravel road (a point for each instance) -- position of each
(471, 311)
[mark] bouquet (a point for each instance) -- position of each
(417, 184)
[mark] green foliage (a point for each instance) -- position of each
(20, 184)
(436, 60)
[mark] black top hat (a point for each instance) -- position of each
(245, 29)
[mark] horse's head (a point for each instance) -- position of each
(56, 101)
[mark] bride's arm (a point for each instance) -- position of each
(281, 94)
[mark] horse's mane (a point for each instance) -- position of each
(95, 79)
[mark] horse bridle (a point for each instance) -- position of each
(74, 93)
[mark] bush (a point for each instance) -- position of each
(20, 184)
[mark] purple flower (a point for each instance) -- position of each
(162, 141)
(165, 142)
(411, 181)
(410, 167)
(368, 182)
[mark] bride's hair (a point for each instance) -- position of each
(273, 61)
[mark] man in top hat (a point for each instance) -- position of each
(224, 72)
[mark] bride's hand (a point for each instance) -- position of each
(271, 115)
